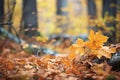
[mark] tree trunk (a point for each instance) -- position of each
(61, 11)
(29, 22)
(91, 9)
(109, 11)
(1, 11)
(109, 8)
(118, 25)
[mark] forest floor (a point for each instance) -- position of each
(20, 65)
(29, 67)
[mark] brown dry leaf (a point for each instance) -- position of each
(21, 61)
(9, 65)
(98, 69)
(73, 70)
(66, 62)
(102, 69)
(46, 58)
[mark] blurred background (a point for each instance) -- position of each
(48, 18)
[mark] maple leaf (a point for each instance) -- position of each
(104, 51)
(79, 47)
(96, 40)
(79, 41)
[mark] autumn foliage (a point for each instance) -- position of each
(77, 65)
(95, 46)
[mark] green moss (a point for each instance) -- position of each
(111, 77)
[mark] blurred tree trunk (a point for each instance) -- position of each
(109, 13)
(91, 9)
(109, 8)
(29, 18)
(92, 15)
(118, 24)
(63, 14)
(61, 4)
(1, 11)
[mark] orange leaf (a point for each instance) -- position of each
(79, 42)
(78, 48)
(71, 56)
(9, 65)
(96, 40)
(104, 51)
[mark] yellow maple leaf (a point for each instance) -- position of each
(104, 51)
(92, 47)
(78, 48)
(96, 40)
(79, 42)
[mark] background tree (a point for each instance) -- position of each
(118, 22)
(91, 9)
(62, 14)
(109, 13)
(109, 7)
(1, 11)
(29, 19)
(92, 14)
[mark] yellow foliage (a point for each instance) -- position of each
(78, 47)
(96, 40)
(92, 47)
(105, 51)
(41, 39)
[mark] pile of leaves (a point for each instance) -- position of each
(78, 64)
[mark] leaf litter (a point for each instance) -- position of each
(77, 64)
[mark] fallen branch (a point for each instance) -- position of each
(35, 48)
